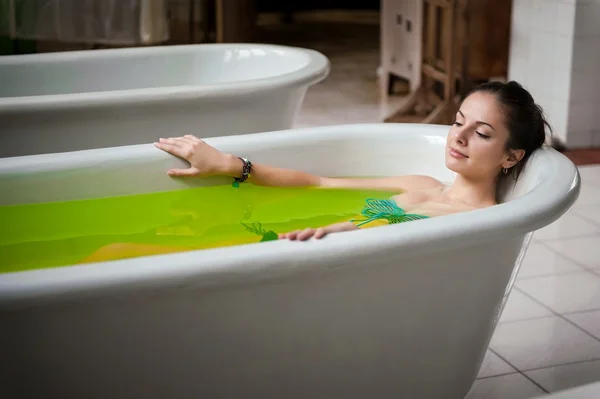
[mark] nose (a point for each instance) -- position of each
(461, 135)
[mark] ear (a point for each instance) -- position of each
(512, 158)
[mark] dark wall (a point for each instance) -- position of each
(307, 5)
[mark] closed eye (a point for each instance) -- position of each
(483, 136)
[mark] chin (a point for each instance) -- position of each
(453, 168)
(454, 165)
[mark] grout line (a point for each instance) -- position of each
(504, 360)
(516, 368)
(559, 315)
(582, 311)
(556, 274)
(595, 271)
(575, 212)
(554, 312)
(557, 252)
(527, 319)
(487, 377)
(573, 237)
(535, 383)
(562, 364)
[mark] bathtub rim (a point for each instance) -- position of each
(204, 269)
(316, 69)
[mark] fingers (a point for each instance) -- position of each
(303, 235)
(190, 140)
(172, 146)
(187, 142)
(192, 137)
(292, 235)
(306, 234)
(320, 233)
(175, 141)
(183, 172)
(188, 147)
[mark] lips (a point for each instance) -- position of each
(457, 154)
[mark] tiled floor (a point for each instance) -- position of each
(548, 338)
(549, 332)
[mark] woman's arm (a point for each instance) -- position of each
(206, 160)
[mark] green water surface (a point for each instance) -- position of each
(35, 236)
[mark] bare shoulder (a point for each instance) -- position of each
(417, 196)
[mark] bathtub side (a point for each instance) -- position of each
(389, 322)
(118, 116)
(146, 73)
(67, 129)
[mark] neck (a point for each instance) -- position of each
(473, 192)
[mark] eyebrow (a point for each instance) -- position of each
(477, 122)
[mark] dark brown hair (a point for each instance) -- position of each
(524, 119)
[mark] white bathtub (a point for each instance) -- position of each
(69, 101)
(401, 311)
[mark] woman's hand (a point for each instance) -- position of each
(204, 159)
(303, 235)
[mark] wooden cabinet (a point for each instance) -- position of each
(487, 41)
(455, 43)
(488, 38)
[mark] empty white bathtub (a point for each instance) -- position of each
(68, 101)
(401, 311)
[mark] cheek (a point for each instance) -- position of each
(449, 136)
(487, 153)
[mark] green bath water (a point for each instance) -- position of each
(35, 236)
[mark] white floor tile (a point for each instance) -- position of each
(589, 321)
(590, 174)
(549, 341)
(513, 386)
(569, 225)
(589, 212)
(541, 261)
(583, 250)
(493, 365)
(520, 307)
(563, 293)
(589, 195)
(588, 391)
(566, 376)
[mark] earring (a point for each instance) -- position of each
(504, 170)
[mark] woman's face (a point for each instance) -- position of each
(476, 142)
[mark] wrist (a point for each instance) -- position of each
(232, 166)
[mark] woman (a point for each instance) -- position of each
(497, 128)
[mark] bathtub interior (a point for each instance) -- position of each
(125, 171)
(144, 68)
(351, 150)
(361, 150)
(342, 151)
